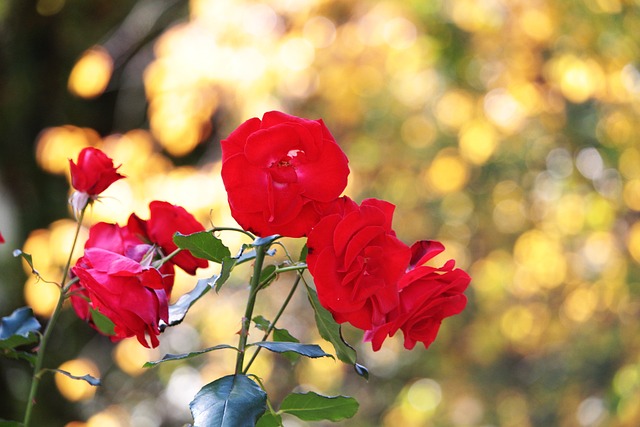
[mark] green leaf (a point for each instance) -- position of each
(269, 419)
(203, 244)
(308, 350)
(361, 370)
(5, 423)
(230, 401)
(283, 335)
(18, 329)
(278, 334)
(27, 257)
(261, 323)
(102, 322)
(330, 330)
(225, 272)
(88, 378)
(24, 355)
(169, 357)
(315, 407)
(265, 241)
(303, 253)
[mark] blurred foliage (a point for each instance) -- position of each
(506, 129)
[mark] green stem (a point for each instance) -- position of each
(251, 301)
(37, 369)
(239, 230)
(272, 325)
(296, 267)
(159, 263)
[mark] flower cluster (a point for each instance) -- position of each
(284, 175)
(125, 273)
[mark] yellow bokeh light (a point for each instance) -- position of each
(474, 16)
(578, 79)
(618, 128)
(41, 296)
(49, 7)
(77, 390)
(580, 304)
(600, 249)
(320, 31)
(626, 380)
(477, 140)
(631, 194)
(424, 395)
(509, 216)
(540, 257)
(633, 241)
(113, 416)
(448, 173)
(91, 74)
(517, 323)
(296, 53)
(61, 237)
(56, 145)
(536, 24)
(570, 214)
(455, 108)
(37, 245)
(491, 275)
(628, 163)
(322, 374)
(129, 355)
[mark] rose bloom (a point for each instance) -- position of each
(131, 295)
(356, 262)
(164, 221)
(94, 172)
(278, 171)
(1, 238)
(125, 241)
(427, 296)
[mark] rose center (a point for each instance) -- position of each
(283, 171)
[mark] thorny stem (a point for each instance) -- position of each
(37, 369)
(251, 301)
(275, 319)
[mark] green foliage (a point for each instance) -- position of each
(230, 401)
(171, 357)
(269, 419)
(88, 378)
(19, 329)
(315, 407)
(204, 245)
(102, 322)
(27, 257)
(308, 350)
(330, 330)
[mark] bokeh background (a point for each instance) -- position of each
(508, 129)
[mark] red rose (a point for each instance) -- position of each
(131, 295)
(1, 238)
(124, 241)
(164, 221)
(277, 170)
(94, 172)
(427, 296)
(356, 262)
